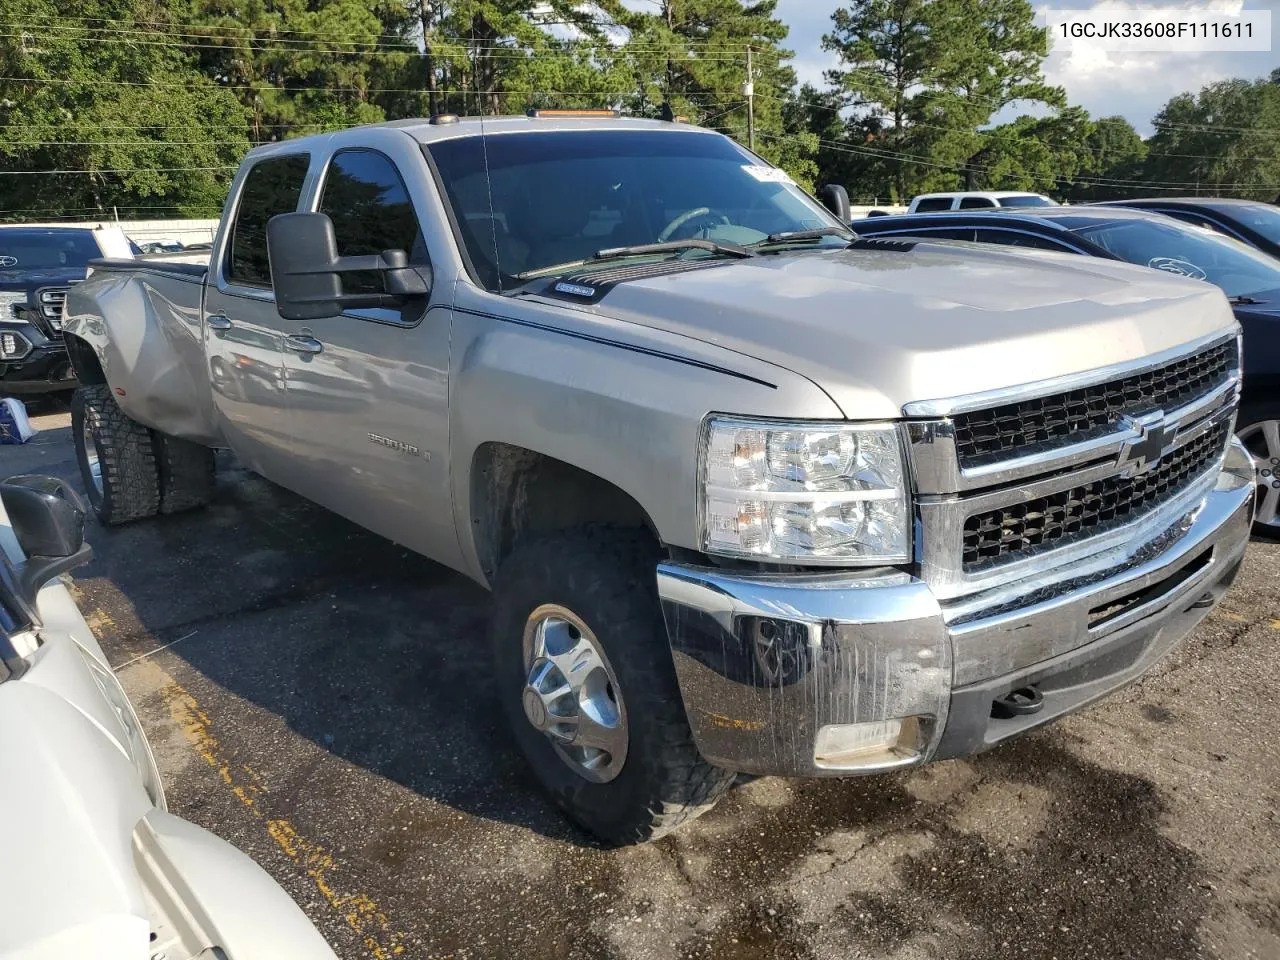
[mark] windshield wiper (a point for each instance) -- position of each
(644, 249)
(802, 236)
(1243, 299)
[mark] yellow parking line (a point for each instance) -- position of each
(360, 911)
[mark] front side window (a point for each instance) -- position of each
(555, 197)
(975, 203)
(1178, 248)
(366, 199)
(271, 187)
(1260, 218)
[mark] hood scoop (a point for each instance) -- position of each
(882, 243)
(591, 286)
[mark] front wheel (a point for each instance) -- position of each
(1258, 427)
(116, 456)
(586, 680)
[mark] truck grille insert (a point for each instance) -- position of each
(50, 302)
(1087, 510)
(1030, 426)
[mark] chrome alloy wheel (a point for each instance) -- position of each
(1262, 439)
(571, 694)
(91, 457)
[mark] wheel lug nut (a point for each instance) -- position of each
(1266, 473)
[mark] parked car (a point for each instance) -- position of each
(1249, 221)
(751, 494)
(37, 266)
(1250, 280)
(976, 200)
(161, 246)
(93, 864)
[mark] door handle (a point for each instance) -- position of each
(301, 343)
(217, 321)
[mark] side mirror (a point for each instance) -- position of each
(306, 271)
(47, 517)
(836, 199)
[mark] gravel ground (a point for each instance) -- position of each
(321, 701)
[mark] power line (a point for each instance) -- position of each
(39, 173)
(438, 49)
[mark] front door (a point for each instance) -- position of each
(242, 330)
(368, 389)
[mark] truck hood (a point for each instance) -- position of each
(878, 329)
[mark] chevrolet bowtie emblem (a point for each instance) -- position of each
(1143, 453)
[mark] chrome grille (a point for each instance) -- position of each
(1049, 501)
(1040, 423)
(1081, 511)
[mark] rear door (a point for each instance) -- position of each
(242, 330)
(368, 389)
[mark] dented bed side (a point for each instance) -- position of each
(142, 320)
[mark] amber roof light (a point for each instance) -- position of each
(583, 114)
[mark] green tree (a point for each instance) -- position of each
(693, 54)
(1042, 154)
(1219, 142)
(299, 66)
(931, 73)
(1115, 156)
(132, 111)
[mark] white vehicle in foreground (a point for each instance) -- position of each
(93, 865)
(977, 200)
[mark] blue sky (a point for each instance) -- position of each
(1133, 85)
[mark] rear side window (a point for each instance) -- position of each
(933, 203)
(271, 187)
(366, 199)
(976, 203)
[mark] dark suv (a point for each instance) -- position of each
(37, 266)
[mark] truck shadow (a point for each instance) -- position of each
(372, 652)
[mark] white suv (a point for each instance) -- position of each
(976, 200)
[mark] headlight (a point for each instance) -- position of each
(815, 493)
(9, 303)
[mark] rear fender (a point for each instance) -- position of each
(144, 329)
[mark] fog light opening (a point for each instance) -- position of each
(862, 746)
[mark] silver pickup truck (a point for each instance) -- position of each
(751, 494)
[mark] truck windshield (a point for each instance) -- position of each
(1191, 251)
(28, 249)
(557, 197)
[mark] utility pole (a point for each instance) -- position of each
(749, 89)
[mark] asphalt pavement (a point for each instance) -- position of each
(320, 698)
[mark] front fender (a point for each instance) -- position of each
(622, 402)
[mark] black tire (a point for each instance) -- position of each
(606, 578)
(1252, 413)
(186, 473)
(126, 454)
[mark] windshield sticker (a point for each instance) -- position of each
(767, 174)
(577, 289)
(1174, 265)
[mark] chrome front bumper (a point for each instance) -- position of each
(765, 663)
